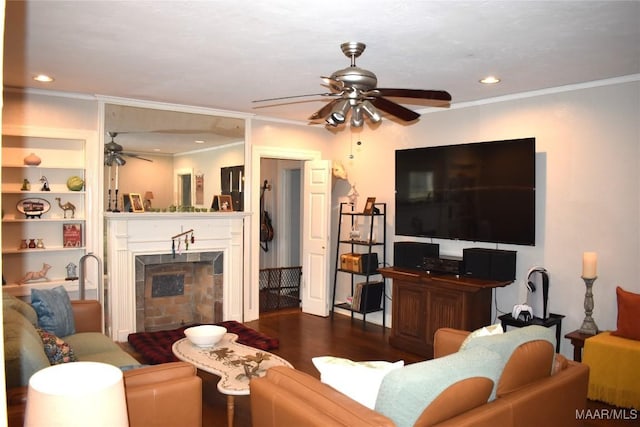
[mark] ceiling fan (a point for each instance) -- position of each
(113, 152)
(354, 88)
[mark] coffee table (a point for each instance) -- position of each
(234, 363)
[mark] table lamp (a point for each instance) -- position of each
(77, 394)
(148, 196)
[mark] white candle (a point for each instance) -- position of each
(589, 265)
(117, 177)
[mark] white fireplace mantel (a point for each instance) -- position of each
(131, 234)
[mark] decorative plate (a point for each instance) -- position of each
(33, 207)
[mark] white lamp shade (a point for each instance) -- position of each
(77, 394)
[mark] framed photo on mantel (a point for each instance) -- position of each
(222, 203)
(136, 202)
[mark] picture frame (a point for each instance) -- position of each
(368, 206)
(223, 203)
(136, 202)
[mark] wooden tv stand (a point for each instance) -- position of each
(424, 302)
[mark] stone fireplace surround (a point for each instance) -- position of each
(129, 235)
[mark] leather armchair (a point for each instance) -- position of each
(169, 394)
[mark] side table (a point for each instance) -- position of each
(552, 320)
(577, 340)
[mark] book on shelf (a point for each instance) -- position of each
(367, 296)
(72, 235)
(357, 297)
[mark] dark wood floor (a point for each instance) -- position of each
(303, 337)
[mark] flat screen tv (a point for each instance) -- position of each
(482, 192)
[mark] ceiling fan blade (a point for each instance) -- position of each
(324, 111)
(439, 95)
(294, 96)
(394, 109)
(333, 84)
(135, 156)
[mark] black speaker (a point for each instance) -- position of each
(492, 264)
(412, 254)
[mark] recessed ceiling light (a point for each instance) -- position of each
(199, 141)
(490, 80)
(43, 78)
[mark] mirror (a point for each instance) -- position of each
(180, 158)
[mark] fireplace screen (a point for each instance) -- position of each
(167, 285)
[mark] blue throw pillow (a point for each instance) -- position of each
(53, 307)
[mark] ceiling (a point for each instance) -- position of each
(223, 54)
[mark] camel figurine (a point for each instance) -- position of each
(36, 275)
(67, 207)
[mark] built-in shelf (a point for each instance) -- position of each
(24, 290)
(61, 158)
(36, 220)
(40, 250)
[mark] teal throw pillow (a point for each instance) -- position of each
(53, 307)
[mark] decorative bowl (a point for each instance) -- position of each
(205, 335)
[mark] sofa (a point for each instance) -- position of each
(513, 379)
(161, 395)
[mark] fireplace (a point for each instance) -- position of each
(173, 291)
(145, 240)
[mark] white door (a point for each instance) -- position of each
(316, 224)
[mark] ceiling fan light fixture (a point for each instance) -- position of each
(331, 122)
(370, 111)
(357, 120)
(119, 161)
(339, 113)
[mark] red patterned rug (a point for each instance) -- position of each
(155, 347)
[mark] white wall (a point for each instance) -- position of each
(138, 176)
(588, 143)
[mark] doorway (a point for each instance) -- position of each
(251, 292)
(184, 187)
(280, 259)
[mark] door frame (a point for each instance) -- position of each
(252, 289)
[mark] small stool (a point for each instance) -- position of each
(552, 320)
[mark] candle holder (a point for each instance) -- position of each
(589, 326)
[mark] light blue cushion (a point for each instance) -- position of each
(505, 344)
(406, 392)
(53, 307)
